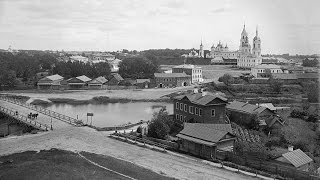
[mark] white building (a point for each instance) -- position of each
(221, 51)
(114, 65)
(261, 70)
(189, 69)
(248, 58)
(79, 59)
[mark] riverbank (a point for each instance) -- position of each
(96, 96)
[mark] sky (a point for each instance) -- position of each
(284, 26)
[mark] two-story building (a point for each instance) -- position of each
(200, 108)
(172, 79)
(194, 71)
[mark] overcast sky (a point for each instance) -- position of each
(285, 26)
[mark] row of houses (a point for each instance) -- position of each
(207, 128)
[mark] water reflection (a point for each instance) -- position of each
(112, 113)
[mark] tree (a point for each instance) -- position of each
(310, 63)
(227, 79)
(137, 68)
(158, 127)
(275, 85)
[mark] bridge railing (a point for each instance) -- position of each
(47, 112)
(24, 119)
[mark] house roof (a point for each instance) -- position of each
(117, 77)
(205, 133)
(83, 78)
(138, 81)
(245, 107)
(186, 66)
(269, 106)
(98, 80)
(172, 75)
(198, 98)
(52, 78)
(267, 66)
(297, 158)
(284, 76)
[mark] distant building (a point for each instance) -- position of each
(172, 79)
(262, 70)
(97, 83)
(194, 71)
(51, 82)
(297, 159)
(79, 59)
(114, 65)
(221, 51)
(143, 83)
(200, 108)
(243, 113)
(115, 79)
(205, 139)
(79, 82)
(102, 57)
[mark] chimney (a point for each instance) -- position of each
(204, 93)
(195, 90)
(290, 148)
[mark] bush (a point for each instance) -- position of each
(298, 114)
(160, 124)
(312, 118)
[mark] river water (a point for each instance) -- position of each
(113, 113)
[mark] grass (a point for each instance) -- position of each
(60, 164)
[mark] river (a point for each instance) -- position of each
(113, 113)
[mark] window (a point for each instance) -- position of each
(213, 113)
(200, 112)
(177, 116)
(196, 110)
(181, 106)
(185, 108)
(181, 118)
(177, 105)
(191, 109)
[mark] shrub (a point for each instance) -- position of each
(312, 118)
(298, 114)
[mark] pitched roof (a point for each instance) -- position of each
(83, 78)
(245, 107)
(173, 75)
(98, 80)
(205, 133)
(53, 77)
(198, 98)
(138, 81)
(269, 106)
(186, 66)
(297, 158)
(267, 66)
(117, 77)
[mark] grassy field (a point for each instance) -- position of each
(59, 164)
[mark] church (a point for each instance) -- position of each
(246, 56)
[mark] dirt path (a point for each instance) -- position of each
(87, 139)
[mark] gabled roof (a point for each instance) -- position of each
(246, 107)
(205, 133)
(83, 78)
(54, 77)
(186, 66)
(198, 98)
(49, 79)
(269, 106)
(297, 158)
(117, 77)
(98, 80)
(171, 75)
(138, 81)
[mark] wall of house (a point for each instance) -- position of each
(225, 143)
(197, 149)
(205, 117)
(172, 81)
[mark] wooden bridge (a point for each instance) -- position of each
(17, 105)
(23, 119)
